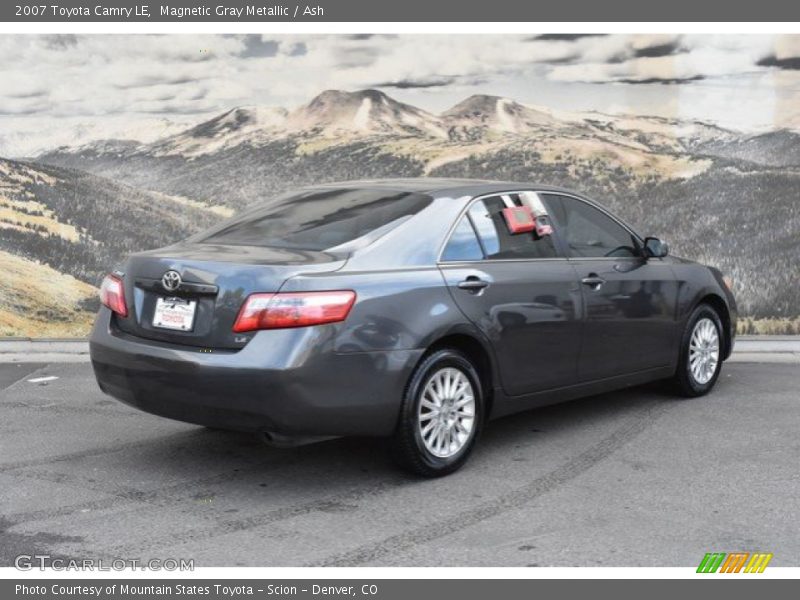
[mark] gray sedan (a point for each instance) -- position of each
(411, 309)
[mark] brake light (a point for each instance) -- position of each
(293, 309)
(112, 295)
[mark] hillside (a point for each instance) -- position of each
(79, 223)
(245, 173)
(775, 148)
(36, 300)
(72, 227)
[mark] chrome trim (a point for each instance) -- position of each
(555, 258)
(614, 258)
(619, 258)
(498, 260)
(155, 285)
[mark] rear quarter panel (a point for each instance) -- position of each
(396, 309)
(402, 299)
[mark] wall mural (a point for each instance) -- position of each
(114, 144)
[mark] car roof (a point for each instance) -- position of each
(442, 186)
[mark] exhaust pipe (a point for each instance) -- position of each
(280, 440)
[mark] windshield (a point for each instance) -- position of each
(320, 219)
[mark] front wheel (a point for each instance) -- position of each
(700, 361)
(441, 416)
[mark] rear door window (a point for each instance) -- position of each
(463, 243)
(327, 219)
(498, 244)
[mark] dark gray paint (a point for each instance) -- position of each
(630, 320)
(547, 338)
(530, 313)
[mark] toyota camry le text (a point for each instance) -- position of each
(415, 309)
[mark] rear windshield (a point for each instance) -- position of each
(320, 219)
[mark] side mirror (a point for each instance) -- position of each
(654, 247)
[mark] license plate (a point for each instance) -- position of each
(174, 313)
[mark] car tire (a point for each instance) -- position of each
(700, 358)
(441, 416)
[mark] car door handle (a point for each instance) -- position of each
(472, 284)
(593, 281)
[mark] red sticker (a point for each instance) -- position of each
(519, 219)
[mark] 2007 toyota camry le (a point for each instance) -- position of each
(413, 309)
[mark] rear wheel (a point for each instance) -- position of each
(441, 416)
(700, 359)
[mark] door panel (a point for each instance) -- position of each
(629, 300)
(630, 316)
(520, 292)
(530, 312)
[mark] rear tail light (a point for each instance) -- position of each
(112, 294)
(295, 309)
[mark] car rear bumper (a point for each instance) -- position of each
(288, 382)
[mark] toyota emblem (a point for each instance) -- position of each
(171, 281)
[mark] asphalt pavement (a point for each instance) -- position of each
(632, 478)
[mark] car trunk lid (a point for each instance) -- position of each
(214, 282)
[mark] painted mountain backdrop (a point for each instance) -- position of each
(719, 196)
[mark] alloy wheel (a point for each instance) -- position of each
(446, 416)
(703, 351)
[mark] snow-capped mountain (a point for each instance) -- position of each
(481, 113)
(246, 124)
(364, 112)
(367, 133)
(336, 116)
(331, 114)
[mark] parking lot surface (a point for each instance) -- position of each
(632, 478)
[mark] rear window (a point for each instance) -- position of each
(320, 219)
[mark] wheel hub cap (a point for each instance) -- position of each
(446, 412)
(703, 351)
